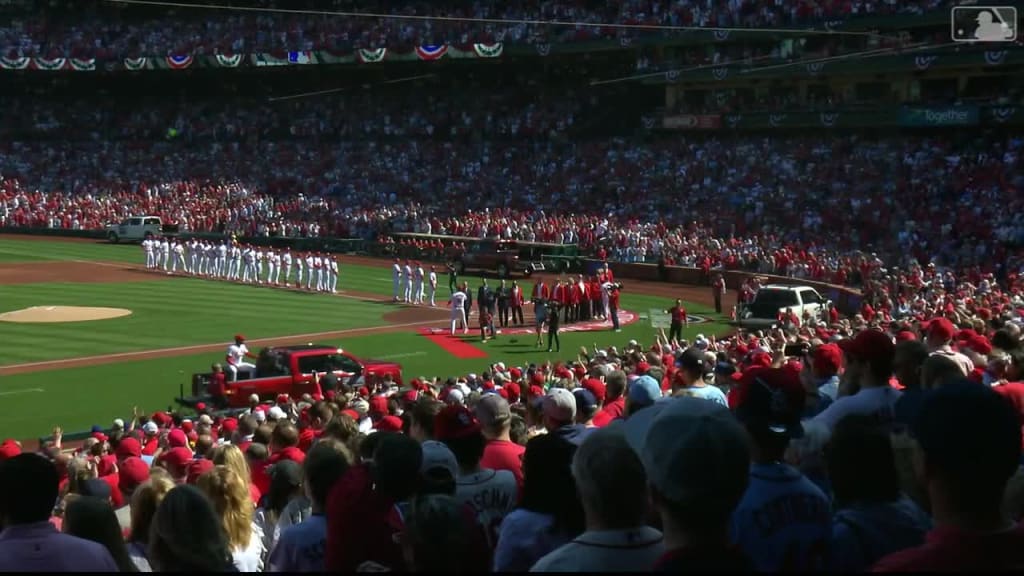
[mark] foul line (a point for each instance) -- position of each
(22, 391)
(200, 347)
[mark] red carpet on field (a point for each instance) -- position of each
(454, 345)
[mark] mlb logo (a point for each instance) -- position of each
(983, 24)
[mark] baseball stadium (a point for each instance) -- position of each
(515, 286)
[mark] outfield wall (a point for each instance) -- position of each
(847, 299)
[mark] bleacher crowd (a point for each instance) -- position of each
(875, 443)
(90, 29)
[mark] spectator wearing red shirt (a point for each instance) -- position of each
(965, 469)
(613, 308)
(679, 319)
(615, 403)
(284, 444)
(218, 386)
(362, 504)
(500, 453)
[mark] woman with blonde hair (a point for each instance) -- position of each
(229, 495)
(145, 500)
(231, 456)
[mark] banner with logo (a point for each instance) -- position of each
(939, 116)
(692, 122)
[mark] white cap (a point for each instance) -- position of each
(500, 366)
(118, 423)
(260, 416)
(276, 413)
(455, 396)
(254, 398)
(633, 343)
(560, 405)
(601, 354)
(150, 428)
(205, 419)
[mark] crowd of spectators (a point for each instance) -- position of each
(797, 205)
(91, 29)
(841, 444)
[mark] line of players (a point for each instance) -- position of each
(411, 285)
(314, 271)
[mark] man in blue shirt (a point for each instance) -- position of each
(783, 521)
(300, 548)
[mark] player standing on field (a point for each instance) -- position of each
(396, 279)
(417, 286)
(433, 286)
(286, 265)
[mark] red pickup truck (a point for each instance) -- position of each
(289, 370)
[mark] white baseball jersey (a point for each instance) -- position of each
(147, 245)
(433, 279)
(237, 352)
(419, 274)
(287, 259)
(407, 272)
(396, 272)
(222, 250)
(309, 261)
(458, 301)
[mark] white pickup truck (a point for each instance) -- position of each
(139, 228)
(772, 299)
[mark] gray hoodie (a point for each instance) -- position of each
(864, 533)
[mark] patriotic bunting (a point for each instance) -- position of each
(372, 55)
(229, 61)
(50, 63)
(179, 62)
(488, 50)
(83, 65)
(429, 52)
(135, 63)
(15, 63)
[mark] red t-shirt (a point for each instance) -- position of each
(359, 524)
(950, 549)
(217, 385)
(609, 412)
(1014, 392)
(504, 455)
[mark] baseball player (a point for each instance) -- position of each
(250, 265)
(193, 256)
(237, 353)
(260, 257)
(165, 253)
(417, 286)
(318, 263)
(271, 266)
(220, 269)
(407, 282)
(299, 260)
(310, 261)
(277, 264)
(458, 304)
(333, 262)
(286, 266)
(147, 249)
(179, 257)
(396, 278)
(239, 264)
(432, 286)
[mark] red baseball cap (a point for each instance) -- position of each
(177, 439)
(597, 388)
(176, 459)
(128, 447)
(455, 421)
(869, 345)
(941, 328)
(132, 472)
(827, 358)
(389, 424)
(197, 468)
(378, 405)
(514, 391)
(229, 425)
(905, 335)
(282, 398)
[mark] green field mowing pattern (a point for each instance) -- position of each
(188, 311)
(167, 314)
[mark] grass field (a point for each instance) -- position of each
(178, 312)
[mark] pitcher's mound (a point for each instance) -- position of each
(40, 314)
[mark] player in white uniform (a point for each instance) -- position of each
(333, 274)
(260, 258)
(417, 284)
(221, 268)
(432, 286)
(458, 302)
(179, 257)
(310, 260)
(249, 275)
(396, 279)
(271, 266)
(299, 265)
(237, 266)
(193, 256)
(286, 266)
(165, 254)
(147, 249)
(407, 282)
(237, 353)
(318, 267)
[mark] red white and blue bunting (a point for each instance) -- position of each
(179, 62)
(50, 63)
(229, 61)
(15, 63)
(430, 52)
(83, 64)
(371, 54)
(135, 63)
(489, 50)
